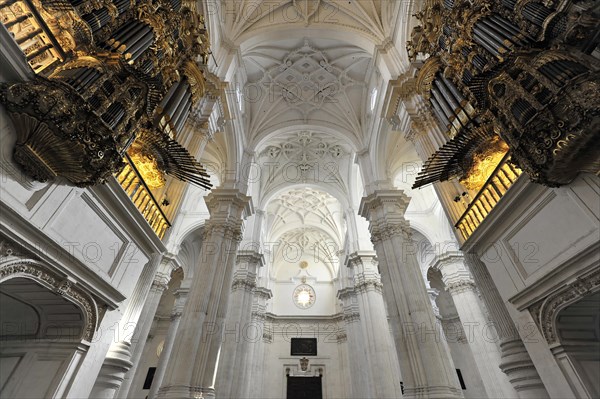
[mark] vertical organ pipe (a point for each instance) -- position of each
(445, 107)
(175, 100)
(440, 114)
(181, 107)
(165, 100)
(447, 95)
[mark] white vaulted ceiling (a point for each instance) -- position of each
(304, 207)
(299, 81)
(305, 222)
(306, 158)
(372, 20)
(301, 74)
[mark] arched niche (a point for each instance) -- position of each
(573, 332)
(48, 324)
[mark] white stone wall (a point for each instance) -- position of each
(277, 358)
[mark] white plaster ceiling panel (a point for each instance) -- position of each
(299, 208)
(370, 19)
(304, 157)
(299, 82)
(306, 243)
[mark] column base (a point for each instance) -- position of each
(185, 392)
(432, 392)
(116, 364)
(517, 365)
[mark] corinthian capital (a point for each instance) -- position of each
(384, 209)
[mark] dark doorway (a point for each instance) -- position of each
(304, 388)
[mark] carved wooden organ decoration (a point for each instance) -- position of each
(114, 79)
(511, 76)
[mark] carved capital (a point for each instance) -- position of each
(160, 282)
(461, 286)
(247, 283)
(346, 294)
(351, 317)
(364, 284)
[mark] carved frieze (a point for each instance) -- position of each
(545, 311)
(12, 267)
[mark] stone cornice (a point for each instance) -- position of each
(379, 199)
(399, 90)
(233, 196)
(249, 256)
(357, 258)
(346, 293)
(263, 293)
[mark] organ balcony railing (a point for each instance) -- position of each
(134, 185)
(112, 79)
(30, 32)
(501, 179)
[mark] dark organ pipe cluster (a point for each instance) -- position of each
(449, 105)
(174, 108)
(131, 40)
(520, 69)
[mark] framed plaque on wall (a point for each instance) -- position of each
(304, 347)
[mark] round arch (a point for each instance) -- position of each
(262, 139)
(17, 267)
(256, 37)
(323, 187)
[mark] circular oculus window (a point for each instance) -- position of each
(304, 296)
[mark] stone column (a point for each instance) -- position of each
(256, 357)
(461, 287)
(239, 334)
(140, 335)
(191, 368)
(425, 363)
(373, 319)
(515, 361)
(118, 359)
(360, 368)
(180, 299)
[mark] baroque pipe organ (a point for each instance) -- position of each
(511, 82)
(114, 82)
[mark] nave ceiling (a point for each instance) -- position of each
(304, 222)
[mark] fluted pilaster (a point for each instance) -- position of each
(191, 367)
(240, 334)
(360, 371)
(425, 363)
(256, 362)
(461, 286)
(377, 342)
(515, 361)
(140, 335)
(180, 299)
(118, 360)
